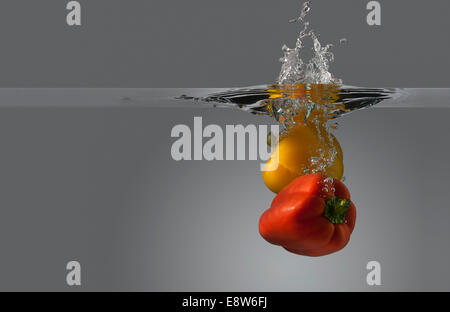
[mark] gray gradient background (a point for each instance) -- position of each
(98, 185)
(216, 43)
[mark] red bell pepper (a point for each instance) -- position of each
(312, 216)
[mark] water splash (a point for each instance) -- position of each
(304, 99)
(314, 94)
(294, 70)
(268, 99)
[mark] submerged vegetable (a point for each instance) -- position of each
(303, 150)
(313, 216)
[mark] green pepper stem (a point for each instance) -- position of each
(336, 210)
